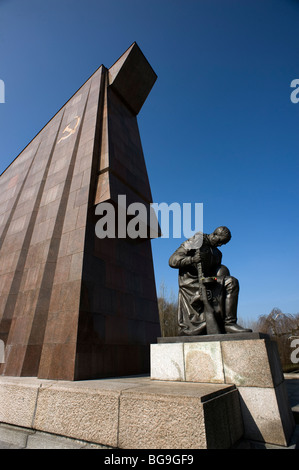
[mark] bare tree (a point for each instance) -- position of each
(168, 311)
(282, 328)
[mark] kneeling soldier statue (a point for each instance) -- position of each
(208, 294)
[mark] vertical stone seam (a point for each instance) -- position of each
(118, 411)
(35, 407)
(222, 362)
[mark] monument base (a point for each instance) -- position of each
(125, 413)
(250, 361)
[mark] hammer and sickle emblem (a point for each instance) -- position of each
(69, 129)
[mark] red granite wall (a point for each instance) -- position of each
(73, 306)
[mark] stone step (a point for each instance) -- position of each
(131, 412)
(126, 413)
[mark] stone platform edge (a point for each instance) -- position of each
(124, 413)
(208, 338)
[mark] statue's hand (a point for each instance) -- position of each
(196, 258)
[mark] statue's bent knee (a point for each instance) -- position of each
(231, 284)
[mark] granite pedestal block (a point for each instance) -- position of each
(249, 361)
(125, 413)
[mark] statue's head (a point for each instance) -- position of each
(220, 236)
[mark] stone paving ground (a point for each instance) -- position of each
(12, 437)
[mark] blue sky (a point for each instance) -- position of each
(217, 128)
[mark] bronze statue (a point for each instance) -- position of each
(208, 294)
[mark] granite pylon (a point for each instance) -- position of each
(74, 306)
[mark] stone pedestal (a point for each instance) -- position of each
(125, 413)
(250, 361)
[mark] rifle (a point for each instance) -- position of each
(202, 296)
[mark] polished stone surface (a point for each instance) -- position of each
(73, 306)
